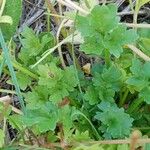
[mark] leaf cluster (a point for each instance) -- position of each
(68, 105)
(101, 31)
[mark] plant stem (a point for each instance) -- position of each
(7, 91)
(107, 58)
(134, 106)
(74, 60)
(94, 129)
(131, 5)
(142, 128)
(48, 16)
(135, 15)
(123, 99)
(19, 67)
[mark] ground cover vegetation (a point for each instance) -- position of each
(66, 105)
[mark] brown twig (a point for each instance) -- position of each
(134, 139)
(105, 142)
(52, 10)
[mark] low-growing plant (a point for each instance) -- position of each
(68, 105)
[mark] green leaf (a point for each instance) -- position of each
(110, 147)
(81, 136)
(123, 147)
(140, 79)
(65, 118)
(104, 18)
(144, 40)
(13, 8)
(144, 45)
(107, 83)
(33, 46)
(47, 40)
(106, 94)
(39, 95)
(120, 36)
(42, 118)
(16, 122)
(69, 73)
(125, 60)
(93, 45)
(101, 31)
(144, 33)
(145, 94)
(57, 81)
(137, 83)
(50, 72)
(136, 67)
(83, 25)
(31, 42)
(146, 69)
(113, 75)
(92, 95)
(115, 122)
(23, 80)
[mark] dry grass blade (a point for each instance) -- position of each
(138, 52)
(133, 25)
(8, 100)
(72, 5)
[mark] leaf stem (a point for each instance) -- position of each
(94, 129)
(74, 57)
(123, 99)
(135, 14)
(19, 67)
(48, 19)
(24, 70)
(134, 106)
(7, 91)
(107, 58)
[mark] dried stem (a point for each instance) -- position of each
(138, 52)
(8, 100)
